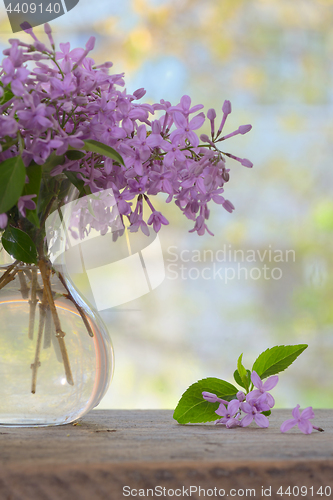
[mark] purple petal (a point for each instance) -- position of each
(193, 138)
(232, 422)
(246, 420)
(308, 413)
(197, 121)
(253, 395)
(233, 406)
(288, 424)
(222, 411)
(256, 380)
(270, 400)
(185, 102)
(180, 120)
(261, 420)
(270, 383)
(246, 407)
(305, 426)
(295, 413)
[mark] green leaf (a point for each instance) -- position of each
(239, 380)
(102, 149)
(266, 413)
(7, 94)
(12, 178)
(19, 244)
(52, 161)
(242, 373)
(74, 155)
(277, 359)
(9, 142)
(34, 172)
(78, 183)
(193, 408)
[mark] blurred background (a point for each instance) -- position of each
(273, 59)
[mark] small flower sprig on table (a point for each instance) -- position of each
(211, 396)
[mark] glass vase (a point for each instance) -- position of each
(56, 358)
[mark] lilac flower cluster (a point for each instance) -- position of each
(254, 404)
(59, 99)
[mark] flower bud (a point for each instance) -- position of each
(243, 129)
(240, 396)
(90, 43)
(226, 108)
(246, 163)
(204, 138)
(211, 114)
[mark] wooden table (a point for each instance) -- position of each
(117, 454)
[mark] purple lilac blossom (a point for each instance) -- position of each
(85, 102)
(253, 409)
(263, 387)
(229, 415)
(300, 419)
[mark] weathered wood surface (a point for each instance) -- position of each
(111, 449)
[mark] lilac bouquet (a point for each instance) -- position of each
(210, 397)
(66, 121)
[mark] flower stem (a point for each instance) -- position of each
(33, 303)
(59, 333)
(78, 307)
(8, 275)
(36, 364)
(24, 287)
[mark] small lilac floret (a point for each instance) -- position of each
(302, 420)
(228, 414)
(262, 388)
(253, 408)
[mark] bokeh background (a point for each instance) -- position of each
(273, 59)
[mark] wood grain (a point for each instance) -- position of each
(110, 449)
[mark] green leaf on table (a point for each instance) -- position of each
(266, 413)
(12, 179)
(239, 380)
(192, 407)
(102, 149)
(276, 359)
(242, 373)
(19, 244)
(34, 172)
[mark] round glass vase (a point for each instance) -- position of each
(56, 357)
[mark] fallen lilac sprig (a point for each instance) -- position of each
(252, 403)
